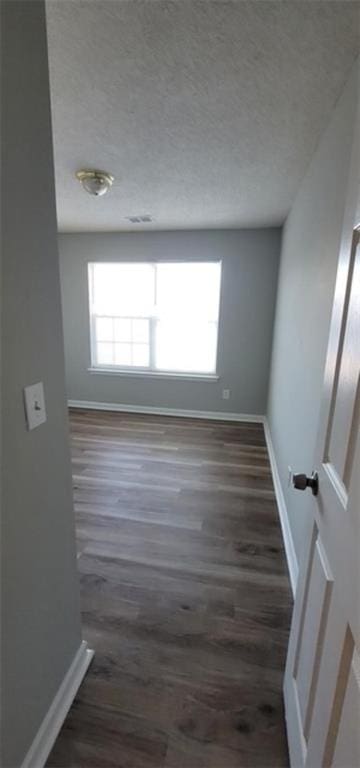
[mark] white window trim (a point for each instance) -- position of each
(149, 372)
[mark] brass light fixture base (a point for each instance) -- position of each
(95, 182)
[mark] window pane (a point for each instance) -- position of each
(122, 289)
(140, 353)
(104, 329)
(181, 301)
(122, 329)
(189, 288)
(122, 354)
(104, 353)
(182, 346)
(140, 331)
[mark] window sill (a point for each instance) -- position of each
(155, 374)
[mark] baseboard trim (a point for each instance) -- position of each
(53, 720)
(290, 552)
(149, 409)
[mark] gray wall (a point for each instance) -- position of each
(249, 276)
(307, 275)
(40, 600)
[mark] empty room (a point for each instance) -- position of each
(180, 384)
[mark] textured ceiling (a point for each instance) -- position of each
(207, 112)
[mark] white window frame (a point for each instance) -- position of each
(150, 371)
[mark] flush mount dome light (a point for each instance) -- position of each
(95, 182)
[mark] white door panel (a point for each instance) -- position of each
(322, 677)
(347, 745)
(308, 652)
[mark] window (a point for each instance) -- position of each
(155, 316)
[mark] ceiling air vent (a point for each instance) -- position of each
(139, 219)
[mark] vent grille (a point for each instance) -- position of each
(145, 219)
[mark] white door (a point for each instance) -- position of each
(322, 677)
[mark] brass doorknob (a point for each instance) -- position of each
(301, 482)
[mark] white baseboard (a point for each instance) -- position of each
(149, 409)
(53, 720)
(290, 552)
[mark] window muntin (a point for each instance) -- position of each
(160, 317)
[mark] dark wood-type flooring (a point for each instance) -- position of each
(185, 596)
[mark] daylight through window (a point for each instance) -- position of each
(155, 316)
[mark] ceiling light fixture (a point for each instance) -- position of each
(95, 182)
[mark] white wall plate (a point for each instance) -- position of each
(34, 405)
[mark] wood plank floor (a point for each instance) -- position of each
(185, 596)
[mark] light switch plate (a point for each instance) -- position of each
(34, 405)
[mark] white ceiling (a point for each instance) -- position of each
(207, 112)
